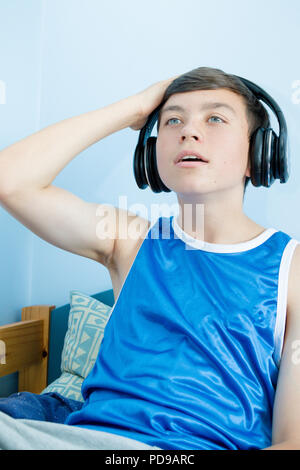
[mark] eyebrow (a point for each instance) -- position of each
(205, 106)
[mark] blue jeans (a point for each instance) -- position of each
(51, 407)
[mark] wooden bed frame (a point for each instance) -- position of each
(33, 345)
(24, 348)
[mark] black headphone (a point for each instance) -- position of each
(269, 154)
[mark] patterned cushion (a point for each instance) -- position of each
(86, 324)
(68, 385)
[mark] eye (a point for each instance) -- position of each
(177, 119)
(172, 119)
(217, 118)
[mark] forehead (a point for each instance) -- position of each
(207, 99)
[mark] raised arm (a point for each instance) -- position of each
(28, 168)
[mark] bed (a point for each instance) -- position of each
(54, 348)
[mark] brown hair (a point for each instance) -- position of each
(207, 78)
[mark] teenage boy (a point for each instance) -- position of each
(192, 350)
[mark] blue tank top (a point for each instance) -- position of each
(191, 351)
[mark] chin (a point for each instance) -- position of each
(191, 187)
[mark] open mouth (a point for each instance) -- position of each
(191, 162)
(190, 158)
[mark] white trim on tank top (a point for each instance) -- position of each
(221, 248)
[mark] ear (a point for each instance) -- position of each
(248, 171)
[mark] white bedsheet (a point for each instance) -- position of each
(25, 434)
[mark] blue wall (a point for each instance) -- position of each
(60, 58)
(20, 52)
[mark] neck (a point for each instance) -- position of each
(216, 220)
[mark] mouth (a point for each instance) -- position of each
(190, 164)
(189, 158)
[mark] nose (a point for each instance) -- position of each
(191, 131)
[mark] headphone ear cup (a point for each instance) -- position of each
(269, 157)
(282, 169)
(139, 168)
(154, 179)
(255, 154)
(149, 156)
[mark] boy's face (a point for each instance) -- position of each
(219, 135)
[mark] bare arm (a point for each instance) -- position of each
(34, 162)
(28, 167)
